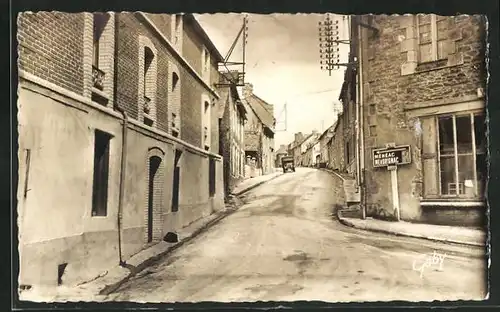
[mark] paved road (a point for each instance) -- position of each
(283, 245)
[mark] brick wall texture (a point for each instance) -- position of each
(186, 103)
(50, 46)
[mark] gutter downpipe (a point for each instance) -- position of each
(361, 138)
(355, 44)
(124, 145)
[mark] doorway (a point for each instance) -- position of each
(154, 165)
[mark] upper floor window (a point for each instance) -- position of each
(175, 80)
(177, 27)
(206, 124)
(99, 23)
(149, 80)
(206, 64)
(432, 36)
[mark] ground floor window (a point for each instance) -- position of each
(462, 154)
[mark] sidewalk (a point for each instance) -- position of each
(442, 233)
(109, 281)
(252, 183)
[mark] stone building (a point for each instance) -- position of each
(259, 134)
(118, 135)
(323, 139)
(335, 146)
(280, 153)
(422, 83)
(348, 98)
(294, 148)
(232, 117)
(308, 152)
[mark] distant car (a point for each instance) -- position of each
(287, 163)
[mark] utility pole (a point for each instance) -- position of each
(329, 45)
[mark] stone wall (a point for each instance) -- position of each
(396, 81)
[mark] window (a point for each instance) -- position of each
(176, 182)
(177, 27)
(101, 173)
(347, 153)
(211, 177)
(206, 124)
(462, 150)
(432, 37)
(175, 80)
(147, 87)
(206, 60)
(206, 65)
(99, 23)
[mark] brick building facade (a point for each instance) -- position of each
(115, 111)
(422, 84)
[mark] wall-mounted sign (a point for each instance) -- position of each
(392, 156)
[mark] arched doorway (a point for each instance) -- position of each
(154, 195)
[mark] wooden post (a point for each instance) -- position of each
(395, 191)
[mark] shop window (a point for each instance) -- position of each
(462, 162)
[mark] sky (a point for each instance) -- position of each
(283, 64)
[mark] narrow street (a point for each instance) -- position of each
(284, 245)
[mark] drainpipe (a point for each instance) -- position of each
(361, 137)
(124, 144)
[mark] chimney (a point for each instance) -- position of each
(299, 137)
(247, 90)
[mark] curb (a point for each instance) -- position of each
(108, 289)
(442, 240)
(255, 185)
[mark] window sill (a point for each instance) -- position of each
(452, 202)
(100, 93)
(425, 67)
(99, 97)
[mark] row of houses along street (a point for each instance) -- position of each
(134, 141)
(127, 131)
(428, 109)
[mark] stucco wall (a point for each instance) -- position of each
(55, 219)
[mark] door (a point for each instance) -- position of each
(154, 164)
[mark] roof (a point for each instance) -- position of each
(259, 107)
(226, 92)
(200, 31)
(308, 137)
(329, 130)
(282, 150)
